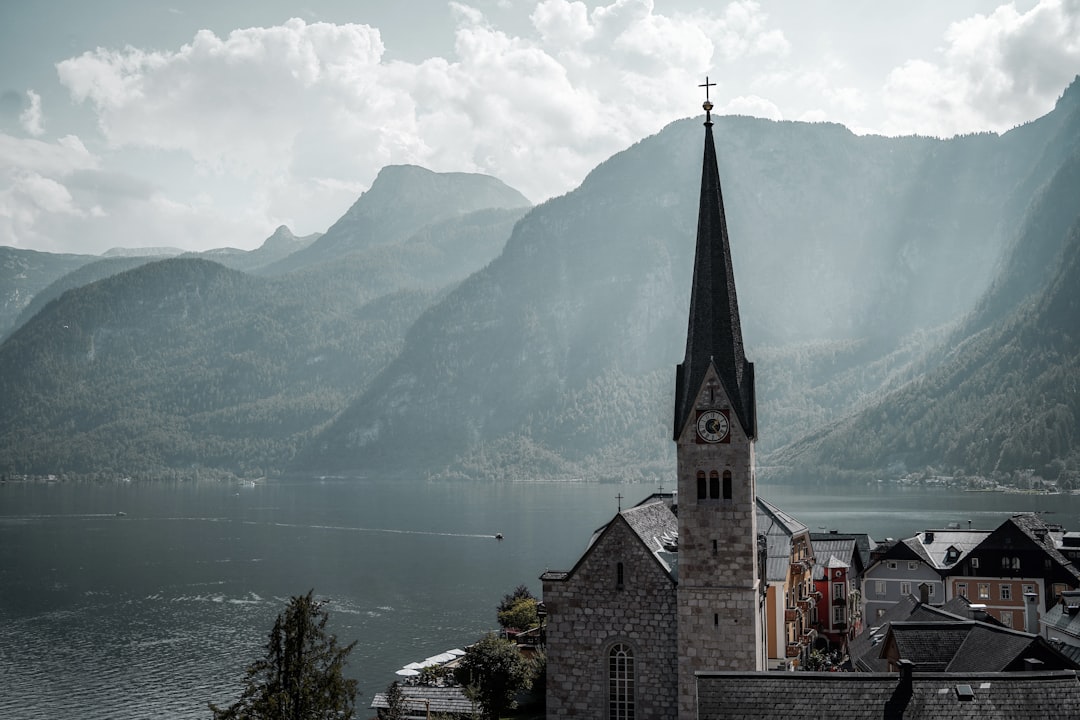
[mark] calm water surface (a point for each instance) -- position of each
(154, 613)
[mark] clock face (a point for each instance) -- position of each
(712, 426)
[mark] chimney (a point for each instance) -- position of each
(907, 667)
(924, 593)
(1031, 613)
(897, 704)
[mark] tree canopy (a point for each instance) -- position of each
(300, 676)
(494, 672)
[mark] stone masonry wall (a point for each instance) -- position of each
(588, 614)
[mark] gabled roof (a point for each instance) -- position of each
(833, 551)
(864, 696)
(906, 549)
(944, 548)
(1033, 534)
(1059, 619)
(714, 334)
(865, 649)
(969, 646)
(422, 698)
(778, 528)
(651, 523)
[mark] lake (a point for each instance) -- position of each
(154, 613)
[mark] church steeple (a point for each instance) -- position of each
(714, 335)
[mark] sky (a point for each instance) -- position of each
(201, 124)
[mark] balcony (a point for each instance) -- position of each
(793, 650)
(791, 614)
(806, 604)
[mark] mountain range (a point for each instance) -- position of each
(909, 304)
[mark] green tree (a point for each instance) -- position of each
(397, 705)
(300, 676)
(494, 672)
(520, 616)
(521, 592)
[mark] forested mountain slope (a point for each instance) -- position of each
(558, 357)
(25, 273)
(181, 366)
(1000, 397)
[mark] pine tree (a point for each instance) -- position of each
(300, 675)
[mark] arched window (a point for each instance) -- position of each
(700, 485)
(621, 683)
(727, 484)
(714, 485)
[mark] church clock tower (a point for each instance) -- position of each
(719, 593)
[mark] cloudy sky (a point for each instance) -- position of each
(208, 123)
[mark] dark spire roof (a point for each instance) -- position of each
(714, 334)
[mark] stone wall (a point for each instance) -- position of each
(588, 613)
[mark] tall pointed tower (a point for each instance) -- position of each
(719, 616)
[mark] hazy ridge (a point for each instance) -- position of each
(441, 328)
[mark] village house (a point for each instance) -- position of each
(1015, 570)
(791, 602)
(898, 570)
(837, 577)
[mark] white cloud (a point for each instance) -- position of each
(288, 124)
(31, 118)
(994, 71)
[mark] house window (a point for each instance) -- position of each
(621, 683)
(838, 616)
(838, 590)
(912, 565)
(1006, 618)
(975, 563)
(879, 587)
(880, 613)
(984, 591)
(619, 577)
(961, 589)
(701, 485)
(1029, 589)
(727, 484)
(931, 585)
(892, 564)
(905, 588)
(714, 485)
(1006, 591)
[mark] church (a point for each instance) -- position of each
(660, 595)
(667, 612)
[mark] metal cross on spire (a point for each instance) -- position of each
(707, 85)
(707, 105)
(619, 498)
